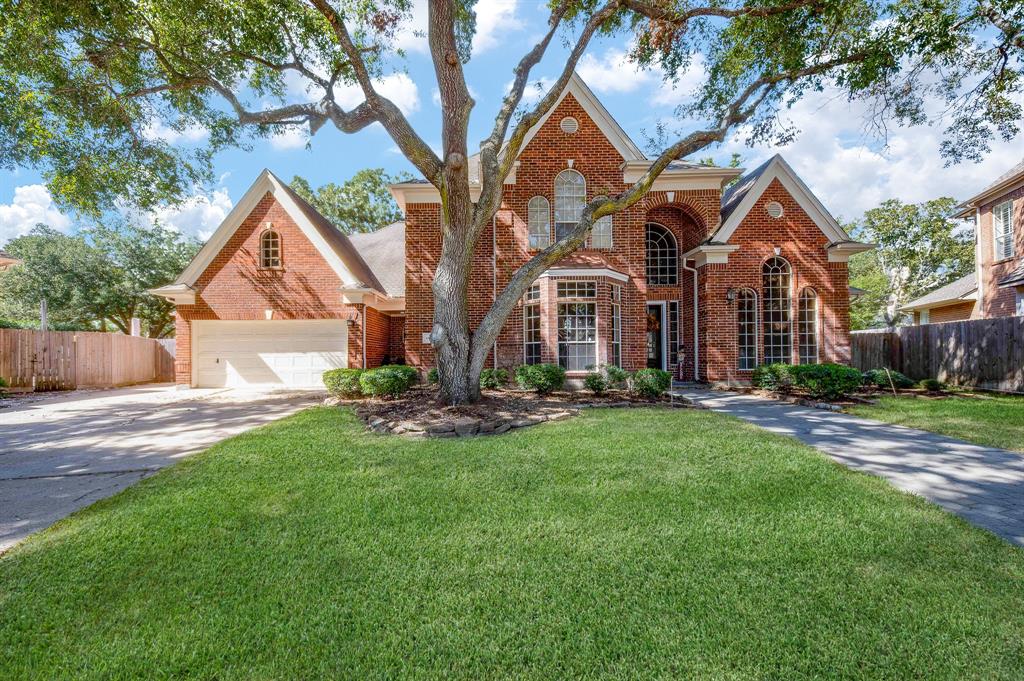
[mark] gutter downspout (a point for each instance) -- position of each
(696, 339)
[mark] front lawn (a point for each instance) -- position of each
(623, 543)
(983, 418)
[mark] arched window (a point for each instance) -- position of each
(270, 249)
(746, 330)
(807, 326)
(570, 197)
(540, 222)
(601, 232)
(777, 316)
(662, 258)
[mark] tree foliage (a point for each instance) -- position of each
(919, 248)
(84, 83)
(97, 278)
(360, 204)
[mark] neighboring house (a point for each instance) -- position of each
(7, 260)
(996, 288)
(701, 278)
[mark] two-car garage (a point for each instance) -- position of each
(291, 353)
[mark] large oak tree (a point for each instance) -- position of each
(82, 80)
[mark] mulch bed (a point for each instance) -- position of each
(418, 413)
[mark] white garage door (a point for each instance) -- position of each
(285, 353)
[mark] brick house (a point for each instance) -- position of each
(996, 287)
(7, 261)
(713, 273)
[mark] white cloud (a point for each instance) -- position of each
(158, 130)
(292, 137)
(495, 19)
(398, 87)
(412, 36)
(199, 215)
(32, 204)
(613, 72)
(534, 90)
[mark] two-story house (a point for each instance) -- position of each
(996, 287)
(713, 273)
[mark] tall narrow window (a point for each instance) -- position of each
(746, 330)
(570, 197)
(601, 233)
(531, 326)
(1002, 230)
(807, 326)
(270, 249)
(662, 258)
(673, 332)
(577, 326)
(540, 222)
(616, 328)
(777, 317)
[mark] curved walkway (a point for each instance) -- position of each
(983, 485)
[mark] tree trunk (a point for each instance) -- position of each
(451, 336)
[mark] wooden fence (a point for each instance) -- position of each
(64, 360)
(983, 353)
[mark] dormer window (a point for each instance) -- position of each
(270, 249)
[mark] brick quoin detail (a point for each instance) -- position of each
(234, 287)
(691, 216)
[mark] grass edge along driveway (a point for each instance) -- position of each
(986, 419)
(622, 543)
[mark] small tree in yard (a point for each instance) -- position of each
(80, 81)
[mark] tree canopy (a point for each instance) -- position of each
(96, 278)
(360, 204)
(82, 81)
(918, 248)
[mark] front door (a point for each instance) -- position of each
(655, 336)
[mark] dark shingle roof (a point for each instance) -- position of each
(950, 293)
(384, 252)
(733, 196)
(1014, 278)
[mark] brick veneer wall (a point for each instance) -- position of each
(233, 286)
(691, 216)
(396, 338)
(957, 312)
(996, 301)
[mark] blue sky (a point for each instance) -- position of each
(849, 169)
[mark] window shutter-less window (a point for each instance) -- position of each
(1002, 230)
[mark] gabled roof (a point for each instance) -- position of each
(384, 252)
(961, 290)
(335, 247)
(1001, 184)
(1014, 278)
(741, 197)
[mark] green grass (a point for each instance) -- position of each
(623, 543)
(984, 418)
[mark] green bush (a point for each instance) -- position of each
(826, 381)
(409, 373)
(932, 385)
(541, 378)
(384, 382)
(3, 384)
(492, 379)
(343, 382)
(616, 375)
(880, 379)
(432, 376)
(774, 377)
(595, 382)
(651, 382)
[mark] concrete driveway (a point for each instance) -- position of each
(61, 453)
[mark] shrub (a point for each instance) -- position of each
(3, 384)
(595, 382)
(410, 373)
(432, 375)
(616, 375)
(826, 381)
(343, 382)
(880, 379)
(541, 378)
(774, 377)
(651, 382)
(492, 379)
(932, 385)
(384, 382)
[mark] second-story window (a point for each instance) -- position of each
(662, 258)
(270, 249)
(1002, 230)
(570, 197)
(601, 233)
(540, 222)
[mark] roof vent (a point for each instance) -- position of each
(569, 125)
(774, 209)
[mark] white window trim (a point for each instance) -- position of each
(663, 304)
(817, 325)
(597, 334)
(526, 308)
(792, 289)
(1020, 304)
(529, 224)
(562, 172)
(757, 330)
(1007, 232)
